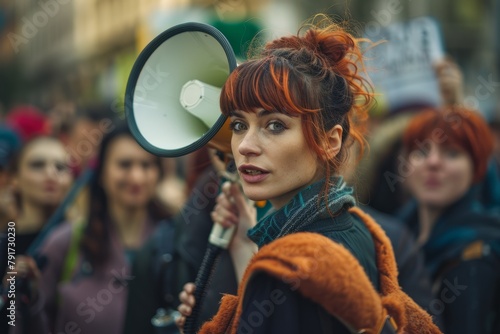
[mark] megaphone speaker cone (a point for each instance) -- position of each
(172, 96)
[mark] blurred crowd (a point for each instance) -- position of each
(107, 234)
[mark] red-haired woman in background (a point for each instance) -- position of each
(448, 151)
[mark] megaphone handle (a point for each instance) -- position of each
(219, 239)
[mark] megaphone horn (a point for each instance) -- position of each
(173, 91)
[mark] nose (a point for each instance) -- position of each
(433, 158)
(51, 172)
(249, 144)
(136, 173)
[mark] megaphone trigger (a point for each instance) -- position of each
(221, 236)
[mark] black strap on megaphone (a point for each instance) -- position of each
(218, 240)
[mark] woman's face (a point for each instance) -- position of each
(273, 158)
(130, 174)
(441, 175)
(43, 176)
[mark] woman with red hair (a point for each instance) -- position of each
(447, 153)
(321, 264)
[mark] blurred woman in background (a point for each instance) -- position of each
(39, 179)
(448, 153)
(89, 276)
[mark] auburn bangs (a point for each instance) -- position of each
(267, 83)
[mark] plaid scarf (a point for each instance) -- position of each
(305, 208)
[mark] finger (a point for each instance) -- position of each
(223, 215)
(225, 221)
(187, 299)
(239, 198)
(183, 297)
(224, 206)
(454, 77)
(226, 188)
(22, 270)
(189, 287)
(179, 322)
(27, 267)
(226, 201)
(185, 310)
(33, 267)
(449, 70)
(221, 221)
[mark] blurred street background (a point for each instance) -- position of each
(78, 51)
(64, 67)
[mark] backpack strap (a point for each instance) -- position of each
(71, 258)
(163, 263)
(72, 253)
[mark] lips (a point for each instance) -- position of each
(432, 182)
(50, 187)
(252, 174)
(133, 190)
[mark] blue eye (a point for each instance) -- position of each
(276, 127)
(452, 153)
(418, 154)
(237, 126)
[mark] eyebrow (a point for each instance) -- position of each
(44, 158)
(261, 113)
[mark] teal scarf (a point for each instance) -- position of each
(303, 209)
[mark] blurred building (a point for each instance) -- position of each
(76, 48)
(84, 49)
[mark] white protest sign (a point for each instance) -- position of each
(401, 66)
